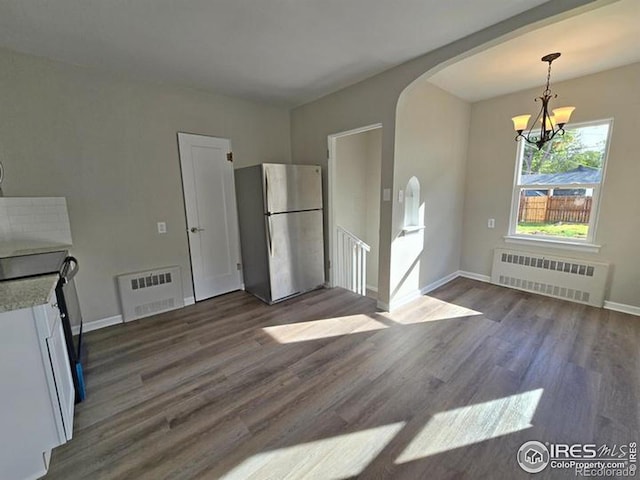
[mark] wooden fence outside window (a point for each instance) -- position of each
(569, 209)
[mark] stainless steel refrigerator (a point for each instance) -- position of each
(280, 218)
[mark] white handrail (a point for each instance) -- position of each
(351, 261)
(355, 239)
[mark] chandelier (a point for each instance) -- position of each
(551, 124)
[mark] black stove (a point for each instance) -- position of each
(24, 266)
(66, 267)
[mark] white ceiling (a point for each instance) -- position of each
(281, 51)
(598, 40)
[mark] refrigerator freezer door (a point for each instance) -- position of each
(296, 253)
(290, 188)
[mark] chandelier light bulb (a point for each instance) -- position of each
(563, 114)
(520, 122)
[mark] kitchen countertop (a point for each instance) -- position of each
(28, 247)
(27, 292)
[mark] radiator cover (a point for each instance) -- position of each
(153, 291)
(577, 280)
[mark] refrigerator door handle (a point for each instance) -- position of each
(266, 195)
(269, 239)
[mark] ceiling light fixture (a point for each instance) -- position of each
(550, 123)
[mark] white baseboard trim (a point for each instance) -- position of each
(189, 301)
(615, 306)
(98, 324)
(384, 306)
(622, 307)
(372, 288)
(418, 293)
(474, 276)
(438, 283)
(107, 322)
(408, 298)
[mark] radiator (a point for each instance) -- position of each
(150, 292)
(581, 281)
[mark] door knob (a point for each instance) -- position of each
(196, 229)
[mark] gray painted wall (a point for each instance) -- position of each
(109, 145)
(491, 164)
(374, 101)
(431, 144)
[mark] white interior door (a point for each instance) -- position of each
(212, 216)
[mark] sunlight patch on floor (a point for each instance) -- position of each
(325, 328)
(428, 309)
(333, 458)
(473, 424)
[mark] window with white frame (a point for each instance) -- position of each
(557, 188)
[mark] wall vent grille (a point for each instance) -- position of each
(570, 279)
(153, 307)
(147, 293)
(538, 261)
(545, 288)
(150, 281)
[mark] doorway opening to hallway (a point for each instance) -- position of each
(355, 159)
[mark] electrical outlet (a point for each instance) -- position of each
(162, 227)
(491, 223)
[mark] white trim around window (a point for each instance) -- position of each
(553, 242)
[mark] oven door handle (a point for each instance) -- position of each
(69, 269)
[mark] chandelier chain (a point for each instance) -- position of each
(547, 90)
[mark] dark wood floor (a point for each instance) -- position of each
(323, 386)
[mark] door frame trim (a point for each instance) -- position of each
(331, 172)
(184, 210)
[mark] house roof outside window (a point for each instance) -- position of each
(579, 175)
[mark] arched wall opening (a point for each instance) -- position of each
(429, 172)
(377, 99)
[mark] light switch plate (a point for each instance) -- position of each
(400, 196)
(386, 195)
(162, 227)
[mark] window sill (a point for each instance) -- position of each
(413, 228)
(553, 243)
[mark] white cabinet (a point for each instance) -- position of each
(36, 410)
(63, 382)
